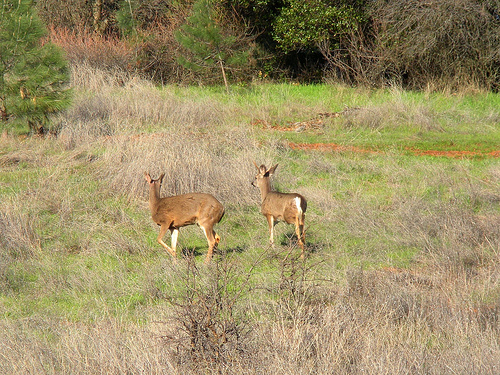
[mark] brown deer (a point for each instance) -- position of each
(173, 213)
(288, 207)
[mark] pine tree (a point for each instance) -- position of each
(33, 74)
(206, 44)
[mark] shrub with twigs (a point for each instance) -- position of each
(210, 329)
(437, 44)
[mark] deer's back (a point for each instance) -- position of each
(186, 209)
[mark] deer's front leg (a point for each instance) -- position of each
(271, 222)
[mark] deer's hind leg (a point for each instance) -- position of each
(301, 227)
(212, 239)
(299, 231)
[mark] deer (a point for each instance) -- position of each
(174, 212)
(276, 206)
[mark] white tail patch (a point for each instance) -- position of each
(297, 203)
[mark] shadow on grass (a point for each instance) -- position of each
(202, 251)
(312, 246)
(237, 250)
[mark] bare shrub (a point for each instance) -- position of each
(209, 332)
(444, 42)
(93, 49)
(296, 290)
(156, 55)
(434, 45)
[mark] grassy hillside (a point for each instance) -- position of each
(404, 244)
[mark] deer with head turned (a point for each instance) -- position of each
(175, 212)
(275, 206)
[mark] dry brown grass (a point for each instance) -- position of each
(106, 346)
(183, 144)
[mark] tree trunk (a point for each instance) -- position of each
(224, 75)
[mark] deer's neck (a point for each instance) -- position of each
(154, 196)
(265, 188)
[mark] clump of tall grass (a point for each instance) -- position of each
(20, 239)
(109, 104)
(106, 346)
(190, 163)
(391, 116)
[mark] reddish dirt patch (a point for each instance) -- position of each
(329, 147)
(447, 154)
(454, 153)
(339, 148)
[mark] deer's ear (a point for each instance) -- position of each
(161, 177)
(147, 177)
(272, 169)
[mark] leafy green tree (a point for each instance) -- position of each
(310, 24)
(301, 35)
(209, 45)
(33, 73)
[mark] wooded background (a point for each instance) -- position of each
(431, 44)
